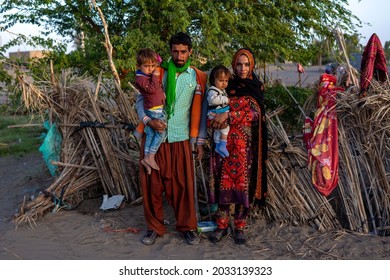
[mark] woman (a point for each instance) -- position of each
(240, 180)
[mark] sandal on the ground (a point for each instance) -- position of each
(240, 237)
(217, 235)
(149, 238)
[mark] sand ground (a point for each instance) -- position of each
(80, 234)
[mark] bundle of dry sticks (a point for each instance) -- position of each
(98, 149)
(361, 200)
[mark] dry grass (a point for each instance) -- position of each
(91, 157)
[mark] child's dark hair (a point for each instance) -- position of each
(217, 72)
(180, 38)
(146, 55)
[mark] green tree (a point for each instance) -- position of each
(327, 50)
(386, 48)
(352, 43)
(273, 29)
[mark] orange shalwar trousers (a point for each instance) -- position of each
(175, 181)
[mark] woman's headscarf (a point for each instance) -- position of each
(248, 53)
(250, 86)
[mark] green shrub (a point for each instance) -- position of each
(19, 140)
(291, 118)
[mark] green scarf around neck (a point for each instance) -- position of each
(171, 84)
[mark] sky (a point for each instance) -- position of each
(373, 12)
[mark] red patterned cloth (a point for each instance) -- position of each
(235, 177)
(323, 145)
(308, 131)
(373, 63)
(235, 167)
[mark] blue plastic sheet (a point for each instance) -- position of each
(51, 147)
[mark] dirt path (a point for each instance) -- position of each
(80, 234)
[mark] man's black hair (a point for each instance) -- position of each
(181, 38)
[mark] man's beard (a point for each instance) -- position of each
(179, 63)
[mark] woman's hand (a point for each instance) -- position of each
(220, 121)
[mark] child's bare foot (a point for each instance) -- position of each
(151, 162)
(148, 169)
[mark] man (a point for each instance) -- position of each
(186, 126)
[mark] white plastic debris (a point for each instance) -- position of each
(111, 203)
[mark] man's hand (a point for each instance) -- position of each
(157, 125)
(198, 89)
(220, 121)
(199, 150)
